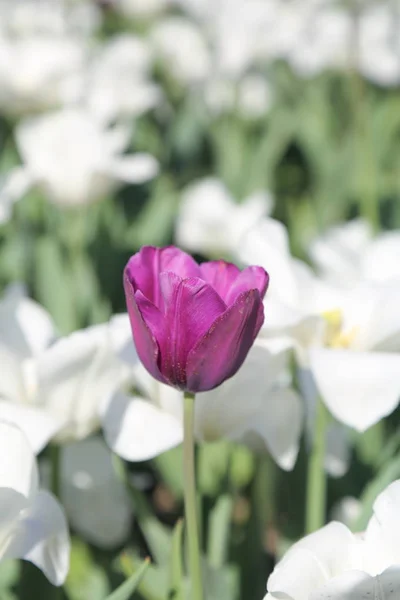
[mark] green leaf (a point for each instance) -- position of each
(125, 591)
(219, 531)
(222, 584)
(157, 535)
(385, 476)
(85, 578)
(54, 287)
(168, 465)
(176, 589)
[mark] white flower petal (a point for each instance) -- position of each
(359, 388)
(338, 252)
(41, 536)
(356, 585)
(383, 531)
(25, 327)
(75, 375)
(312, 561)
(381, 261)
(12, 384)
(252, 408)
(374, 314)
(19, 471)
(95, 500)
(137, 430)
(137, 168)
(38, 425)
(122, 340)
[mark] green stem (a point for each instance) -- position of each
(55, 457)
(190, 499)
(316, 483)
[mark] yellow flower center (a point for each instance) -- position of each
(335, 337)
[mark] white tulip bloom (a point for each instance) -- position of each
(337, 253)
(25, 18)
(253, 407)
(348, 253)
(348, 339)
(378, 44)
(212, 223)
(296, 299)
(38, 73)
(336, 564)
(324, 42)
(52, 391)
(33, 526)
(119, 82)
(75, 160)
(96, 502)
(250, 408)
(251, 96)
(358, 371)
(181, 48)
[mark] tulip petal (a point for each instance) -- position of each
(145, 342)
(261, 421)
(38, 425)
(359, 388)
(135, 168)
(222, 350)
(313, 561)
(25, 327)
(382, 534)
(252, 278)
(221, 275)
(74, 375)
(191, 307)
(144, 268)
(19, 471)
(357, 585)
(41, 536)
(137, 430)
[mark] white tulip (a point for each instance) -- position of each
(32, 525)
(52, 390)
(24, 18)
(348, 253)
(358, 372)
(337, 253)
(212, 223)
(324, 42)
(378, 44)
(250, 408)
(181, 48)
(336, 564)
(296, 299)
(75, 160)
(119, 82)
(349, 339)
(251, 97)
(38, 73)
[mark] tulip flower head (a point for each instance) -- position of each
(192, 325)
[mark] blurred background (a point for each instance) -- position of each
(133, 122)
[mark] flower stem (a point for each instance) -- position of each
(55, 456)
(190, 499)
(316, 478)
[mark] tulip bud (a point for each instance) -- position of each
(192, 325)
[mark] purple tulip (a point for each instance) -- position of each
(192, 325)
